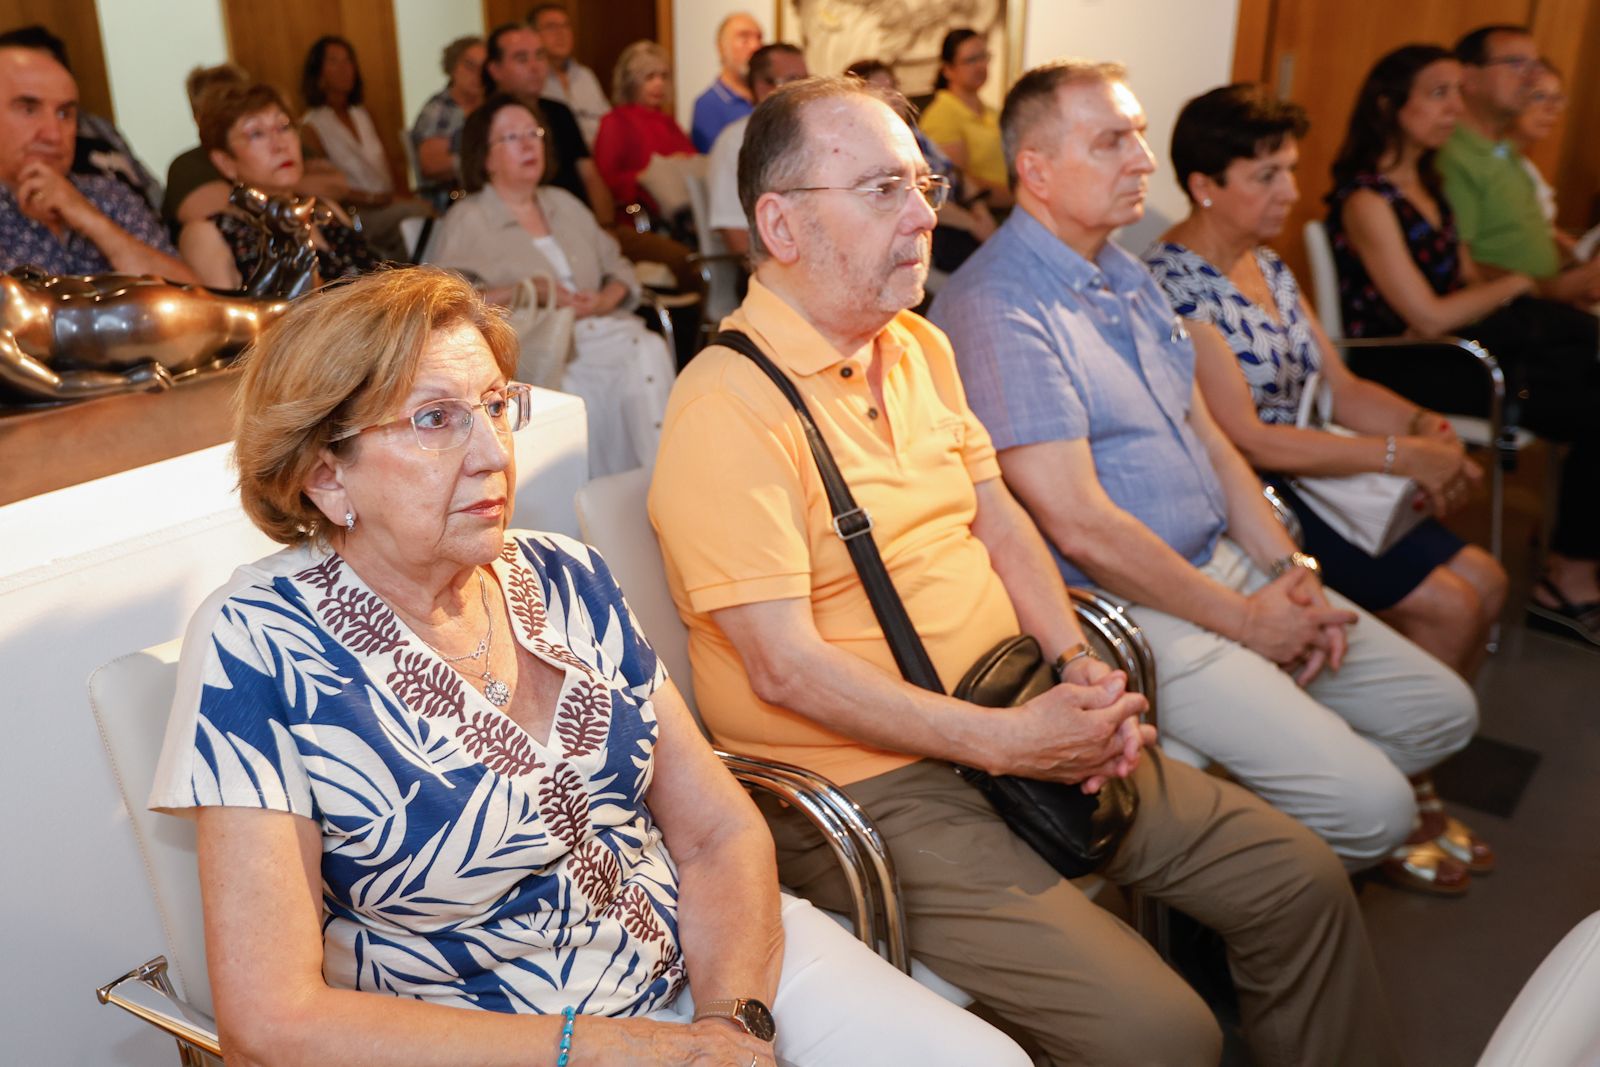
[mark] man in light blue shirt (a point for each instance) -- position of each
(728, 99)
(1083, 375)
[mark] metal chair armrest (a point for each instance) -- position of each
(147, 992)
(821, 810)
(1127, 642)
(1479, 355)
(638, 215)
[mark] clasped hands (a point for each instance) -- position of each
(1433, 456)
(1290, 622)
(1085, 730)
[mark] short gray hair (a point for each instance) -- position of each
(1031, 112)
(774, 157)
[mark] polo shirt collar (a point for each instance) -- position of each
(1114, 268)
(796, 346)
(1478, 144)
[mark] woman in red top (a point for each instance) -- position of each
(640, 126)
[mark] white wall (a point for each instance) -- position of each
(694, 45)
(149, 52)
(424, 27)
(1174, 50)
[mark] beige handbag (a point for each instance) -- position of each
(1371, 510)
(544, 333)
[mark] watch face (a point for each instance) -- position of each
(758, 1020)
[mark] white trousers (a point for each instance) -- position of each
(623, 374)
(1336, 754)
(840, 1005)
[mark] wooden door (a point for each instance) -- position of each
(1318, 54)
(271, 41)
(77, 23)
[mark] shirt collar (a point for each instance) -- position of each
(1477, 143)
(796, 346)
(1113, 268)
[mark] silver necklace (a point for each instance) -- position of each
(495, 691)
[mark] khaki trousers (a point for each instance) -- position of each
(991, 917)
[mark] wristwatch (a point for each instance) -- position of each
(1071, 656)
(1297, 559)
(752, 1016)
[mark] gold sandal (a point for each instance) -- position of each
(1426, 868)
(1457, 838)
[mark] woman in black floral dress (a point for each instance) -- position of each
(1404, 271)
(253, 142)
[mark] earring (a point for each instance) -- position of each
(349, 520)
(1205, 202)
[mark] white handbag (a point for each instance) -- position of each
(544, 333)
(1372, 510)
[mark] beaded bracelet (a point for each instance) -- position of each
(566, 1036)
(1390, 448)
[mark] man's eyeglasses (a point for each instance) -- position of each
(519, 137)
(889, 194)
(440, 425)
(1520, 64)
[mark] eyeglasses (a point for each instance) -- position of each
(974, 60)
(1520, 64)
(440, 425)
(257, 135)
(889, 194)
(519, 137)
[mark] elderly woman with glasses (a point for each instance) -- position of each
(511, 229)
(449, 808)
(251, 140)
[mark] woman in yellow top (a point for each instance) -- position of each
(963, 126)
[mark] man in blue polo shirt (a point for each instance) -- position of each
(728, 99)
(1076, 364)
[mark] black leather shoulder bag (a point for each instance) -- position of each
(1073, 831)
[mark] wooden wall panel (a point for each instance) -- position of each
(1320, 52)
(77, 23)
(1568, 32)
(271, 40)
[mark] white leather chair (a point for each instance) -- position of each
(719, 268)
(1555, 1020)
(1490, 432)
(131, 698)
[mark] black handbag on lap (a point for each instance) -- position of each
(1073, 831)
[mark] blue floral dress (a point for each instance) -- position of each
(1278, 356)
(464, 862)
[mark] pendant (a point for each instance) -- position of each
(497, 692)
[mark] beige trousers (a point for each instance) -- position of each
(1335, 755)
(988, 915)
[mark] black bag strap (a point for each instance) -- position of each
(853, 525)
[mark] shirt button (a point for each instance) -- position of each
(872, 413)
(845, 372)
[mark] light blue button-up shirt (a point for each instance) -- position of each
(1052, 347)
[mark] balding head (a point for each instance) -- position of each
(738, 37)
(1031, 117)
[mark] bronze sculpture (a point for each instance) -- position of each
(75, 337)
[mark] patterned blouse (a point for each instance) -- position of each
(347, 252)
(1435, 249)
(1276, 355)
(464, 862)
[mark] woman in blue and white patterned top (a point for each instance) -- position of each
(1257, 346)
(436, 760)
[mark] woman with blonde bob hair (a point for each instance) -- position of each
(449, 808)
(639, 127)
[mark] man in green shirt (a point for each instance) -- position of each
(1495, 204)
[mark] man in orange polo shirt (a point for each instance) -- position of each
(790, 663)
